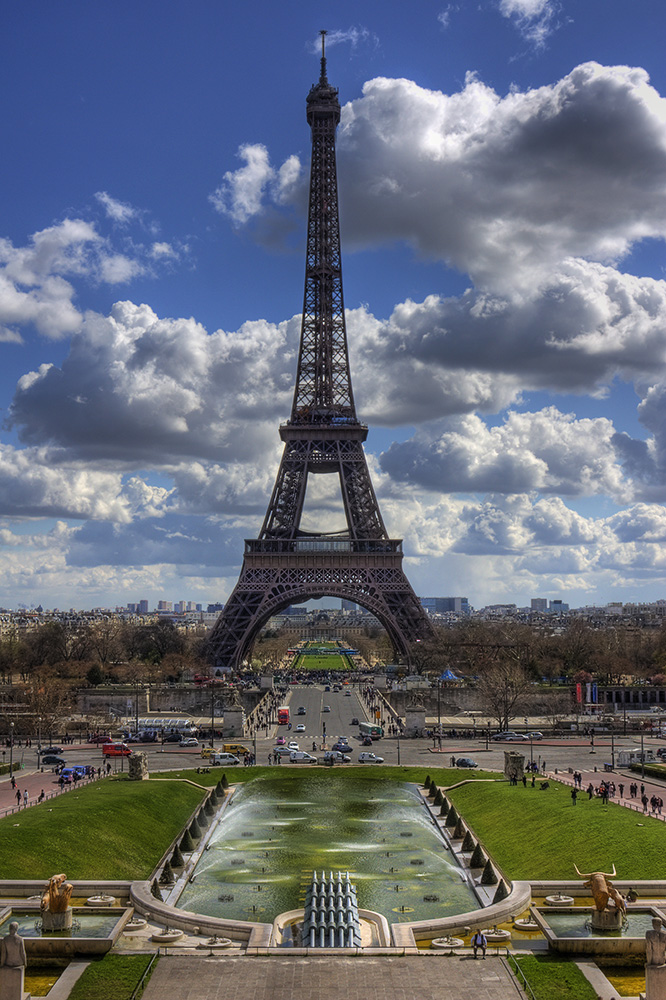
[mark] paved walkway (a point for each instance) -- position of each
(382, 978)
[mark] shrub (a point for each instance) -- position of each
(439, 798)
(187, 844)
(426, 783)
(155, 890)
(468, 843)
(177, 859)
(501, 892)
(478, 859)
(489, 877)
(195, 830)
(167, 877)
(452, 817)
(460, 830)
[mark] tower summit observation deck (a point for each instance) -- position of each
(323, 436)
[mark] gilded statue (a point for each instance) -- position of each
(603, 890)
(57, 895)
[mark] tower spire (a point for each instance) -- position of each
(322, 76)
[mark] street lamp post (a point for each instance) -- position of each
(612, 749)
(398, 748)
(11, 748)
(39, 734)
(642, 758)
(531, 753)
(212, 713)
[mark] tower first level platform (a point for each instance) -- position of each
(279, 572)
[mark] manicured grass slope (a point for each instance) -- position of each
(539, 834)
(555, 979)
(110, 829)
(443, 776)
(115, 977)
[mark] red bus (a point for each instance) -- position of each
(283, 716)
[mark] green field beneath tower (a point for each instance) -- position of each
(328, 663)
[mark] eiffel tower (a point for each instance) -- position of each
(286, 564)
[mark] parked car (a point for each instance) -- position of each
(370, 758)
(300, 728)
(172, 738)
(189, 741)
(335, 757)
(100, 739)
(466, 762)
(535, 736)
(51, 750)
(508, 735)
(54, 760)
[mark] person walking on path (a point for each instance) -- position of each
(18, 797)
(479, 941)
(25, 798)
(574, 795)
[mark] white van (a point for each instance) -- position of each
(223, 758)
(301, 757)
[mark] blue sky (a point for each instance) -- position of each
(502, 172)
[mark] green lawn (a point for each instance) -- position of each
(114, 977)
(111, 829)
(443, 776)
(532, 833)
(554, 979)
(332, 662)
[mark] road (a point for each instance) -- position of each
(558, 754)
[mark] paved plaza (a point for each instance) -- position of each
(383, 978)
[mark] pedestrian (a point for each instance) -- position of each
(18, 797)
(453, 762)
(13, 782)
(621, 787)
(644, 800)
(574, 795)
(479, 941)
(41, 796)
(524, 781)
(25, 799)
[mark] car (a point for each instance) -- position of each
(189, 741)
(52, 750)
(280, 741)
(661, 752)
(292, 745)
(466, 762)
(300, 710)
(342, 746)
(116, 750)
(300, 728)
(535, 736)
(326, 708)
(54, 760)
(370, 758)
(327, 688)
(508, 735)
(282, 751)
(172, 738)
(354, 722)
(224, 759)
(366, 741)
(301, 757)
(100, 739)
(336, 757)
(347, 694)
(209, 751)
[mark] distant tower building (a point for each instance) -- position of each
(557, 607)
(539, 604)
(132, 608)
(348, 605)
(445, 605)
(164, 606)
(143, 607)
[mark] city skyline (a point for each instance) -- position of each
(503, 211)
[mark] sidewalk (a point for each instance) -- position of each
(625, 778)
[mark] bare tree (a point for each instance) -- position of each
(503, 688)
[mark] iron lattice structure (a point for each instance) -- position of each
(287, 565)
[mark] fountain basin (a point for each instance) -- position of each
(569, 930)
(92, 933)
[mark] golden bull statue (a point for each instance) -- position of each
(603, 890)
(57, 894)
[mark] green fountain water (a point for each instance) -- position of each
(280, 828)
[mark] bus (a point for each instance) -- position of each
(283, 716)
(370, 729)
